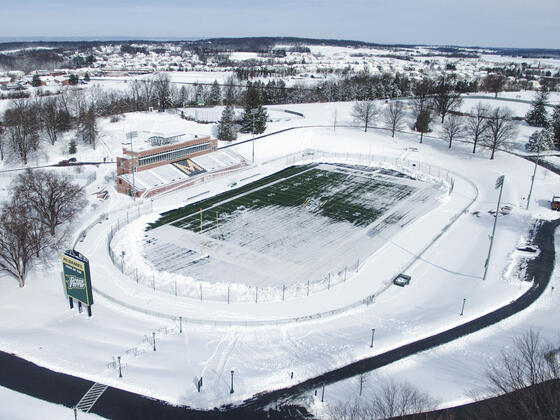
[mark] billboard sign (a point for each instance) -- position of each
(77, 279)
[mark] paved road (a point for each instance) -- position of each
(540, 268)
(28, 378)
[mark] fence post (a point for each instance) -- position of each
(307, 287)
(256, 294)
(283, 292)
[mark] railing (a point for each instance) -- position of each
(203, 290)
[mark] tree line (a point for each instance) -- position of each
(521, 383)
(491, 127)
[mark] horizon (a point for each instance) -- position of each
(115, 38)
(497, 24)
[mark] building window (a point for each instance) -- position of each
(173, 154)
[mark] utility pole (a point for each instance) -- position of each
(231, 390)
(372, 335)
(500, 185)
(463, 308)
(129, 136)
(534, 172)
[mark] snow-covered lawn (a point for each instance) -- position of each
(16, 406)
(37, 324)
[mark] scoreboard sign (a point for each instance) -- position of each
(77, 280)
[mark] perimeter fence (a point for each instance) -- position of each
(184, 286)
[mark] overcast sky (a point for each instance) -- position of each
(499, 23)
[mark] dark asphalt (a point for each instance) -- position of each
(26, 377)
(540, 268)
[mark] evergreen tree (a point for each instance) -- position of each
(254, 115)
(540, 140)
(72, 147)
(199, 95)
(88, 127)
(86, 77)
(555, 125)
(36, 81)
(261, 117)
(215, 94)
(537, 115)
(73, 80)
(226, 126)
(423, 122)
(181, 97)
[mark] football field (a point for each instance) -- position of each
(310, 223)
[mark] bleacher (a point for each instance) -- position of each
(170, 175)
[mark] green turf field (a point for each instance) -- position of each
(338, 193)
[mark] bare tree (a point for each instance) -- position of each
(394, 116)
(501, 129)
(21, 240)
(2, 143)
(148, 91)
(494, 83)
(525, 375)
(390, 399)
(445, 98)
(365, 112)
(351, 410)
(476, 125)
(135, 88)
(399, 399)
(22, 126)
(53, 199)
(162, 87)
(453, 128)
(50, 118)
(422, 94)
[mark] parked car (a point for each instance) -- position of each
(555, 204)
(402, 280)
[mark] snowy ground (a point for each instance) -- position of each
(273, 246)
(263, 357)
(16, 406)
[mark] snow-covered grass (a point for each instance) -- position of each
(279, 223)
(16, 406)
(36, 323)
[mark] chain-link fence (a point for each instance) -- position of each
(179, 285)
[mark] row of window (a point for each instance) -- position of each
(173, 154)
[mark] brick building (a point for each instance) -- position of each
(164, 162)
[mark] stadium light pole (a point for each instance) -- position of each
(500, 185)
(253, 113)
(129, 136)
(534, 172)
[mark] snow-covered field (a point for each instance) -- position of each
(443, 250)
(16, 406)
(268, 238)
